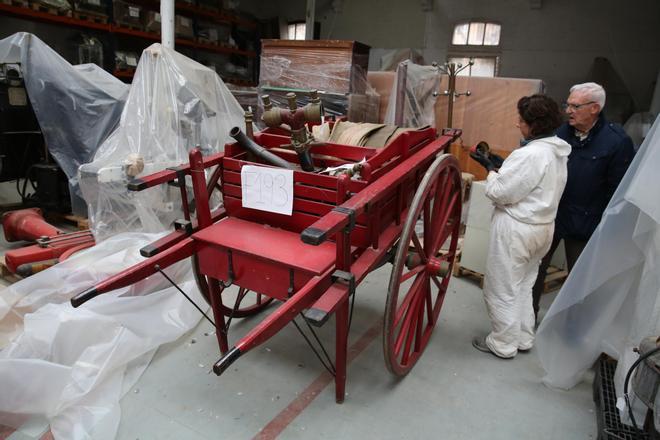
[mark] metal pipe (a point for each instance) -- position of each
(167, 23)
(258, 150)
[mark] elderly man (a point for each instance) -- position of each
(600, 155)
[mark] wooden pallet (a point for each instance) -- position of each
(131, 26)
(90, 16)
(554, 279)
(49, 9)
(207, 41)
(79, 222)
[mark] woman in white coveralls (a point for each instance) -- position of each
(526, 192)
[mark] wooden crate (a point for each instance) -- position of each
(330, 65)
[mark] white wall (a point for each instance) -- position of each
(556, 43)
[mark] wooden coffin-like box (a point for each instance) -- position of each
(328, 65)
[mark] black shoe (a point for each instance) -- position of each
(480, 344)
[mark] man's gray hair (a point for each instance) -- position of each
(594, 91)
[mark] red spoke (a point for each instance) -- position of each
(429, 303)
(405, 327)
(405, 277)
(412, 292)
(441, 294)
(411, 329)
(446, 229)
(418, 246)
(427, 221)
(420, 316)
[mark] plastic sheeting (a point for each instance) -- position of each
(611, 300)
(336, 69)
(72, 366)
(420, 85)
(174, 105)
(77, 106)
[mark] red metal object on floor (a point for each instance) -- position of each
(57, 247)
(27, 225)
(404, 208)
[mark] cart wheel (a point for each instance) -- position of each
(422, 265)
(252, 302)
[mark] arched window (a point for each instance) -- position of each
(479, 41)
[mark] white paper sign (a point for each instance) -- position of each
(267, 189)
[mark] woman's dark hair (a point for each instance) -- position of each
(541, 113)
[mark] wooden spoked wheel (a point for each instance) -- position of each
(422, 265)
(250, 302)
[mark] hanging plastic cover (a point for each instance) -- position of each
(413, 96)
(611, 299)
(77, 106)
(174, 105)
(68, 368)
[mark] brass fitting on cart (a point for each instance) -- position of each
(249, 127)
(296, 118)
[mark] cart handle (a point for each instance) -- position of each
(170, 174)
(343, 216)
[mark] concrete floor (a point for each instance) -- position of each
(454, 392)
(280, 389)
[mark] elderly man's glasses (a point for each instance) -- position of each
(574, 107)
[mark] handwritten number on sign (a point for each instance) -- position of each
(267, 189)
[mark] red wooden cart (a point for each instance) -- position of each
(404, 208)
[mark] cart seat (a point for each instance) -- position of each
(273, 244)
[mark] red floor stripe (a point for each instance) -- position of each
(288, 414)
(5, 432)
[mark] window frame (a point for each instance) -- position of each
(477, 46)
(476, 51)
(295, 23)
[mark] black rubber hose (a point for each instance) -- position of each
(259, 151)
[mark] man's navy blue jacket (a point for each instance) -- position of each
(596, 165)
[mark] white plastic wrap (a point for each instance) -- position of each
(174, 105)
(418, 95)
(611, 300)
(77, 106)
(71, 366)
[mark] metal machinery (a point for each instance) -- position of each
(23, 154)
(403, 207)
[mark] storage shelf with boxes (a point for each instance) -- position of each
(140, 21)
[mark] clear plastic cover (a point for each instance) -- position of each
(413, 96)
(174, 105)
(71, 366)
(77, 106)
(611, 300)
(336, 69)
(331, 66)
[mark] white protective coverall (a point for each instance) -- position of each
(526, 193)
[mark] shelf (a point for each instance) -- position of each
(26, 12)
(216, 15)
(129, 73)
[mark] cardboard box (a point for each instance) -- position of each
(152, 22)
(127, 14)
(183, 27)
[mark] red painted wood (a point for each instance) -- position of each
(144, 269)
(274, 244)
